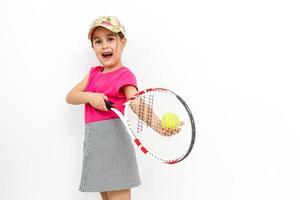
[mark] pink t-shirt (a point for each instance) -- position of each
(108, 83)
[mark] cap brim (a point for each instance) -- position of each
(92, 29)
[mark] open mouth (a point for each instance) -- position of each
(107, 54)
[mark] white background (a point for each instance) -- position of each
(236, 63)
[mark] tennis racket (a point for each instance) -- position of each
(160, 123)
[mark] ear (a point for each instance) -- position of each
(123, 42)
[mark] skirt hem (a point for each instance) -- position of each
(108, 189)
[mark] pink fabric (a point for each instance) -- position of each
(108, 83)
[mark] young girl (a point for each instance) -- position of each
(109, 162)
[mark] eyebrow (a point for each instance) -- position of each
(108, 35)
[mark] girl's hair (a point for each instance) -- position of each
(120, 34)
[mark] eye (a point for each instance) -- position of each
(110, 39)
(97, 41)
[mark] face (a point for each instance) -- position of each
(108, 47)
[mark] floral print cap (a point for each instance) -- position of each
(109, 22)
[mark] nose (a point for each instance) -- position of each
(104, 45)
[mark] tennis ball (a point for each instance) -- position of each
(170, 120)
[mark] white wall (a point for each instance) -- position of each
(235, 62)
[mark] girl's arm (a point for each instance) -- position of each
(78, 96)
(155, 122)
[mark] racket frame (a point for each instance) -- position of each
(136, 139)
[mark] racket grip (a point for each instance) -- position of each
(108, 104)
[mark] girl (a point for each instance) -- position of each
(109, 162)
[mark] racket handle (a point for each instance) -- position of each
(109, 104)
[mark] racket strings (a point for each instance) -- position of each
(146, 118)
(150, 109)
(145, 113)
(141, 111)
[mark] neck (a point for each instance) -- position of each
(112, 68)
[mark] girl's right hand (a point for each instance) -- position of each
(97, 101)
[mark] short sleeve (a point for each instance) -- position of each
(92, 73)
(126, 78)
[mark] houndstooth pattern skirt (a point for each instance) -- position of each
(109, 160)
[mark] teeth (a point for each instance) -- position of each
(106, 54)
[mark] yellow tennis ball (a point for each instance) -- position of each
(170, 120)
